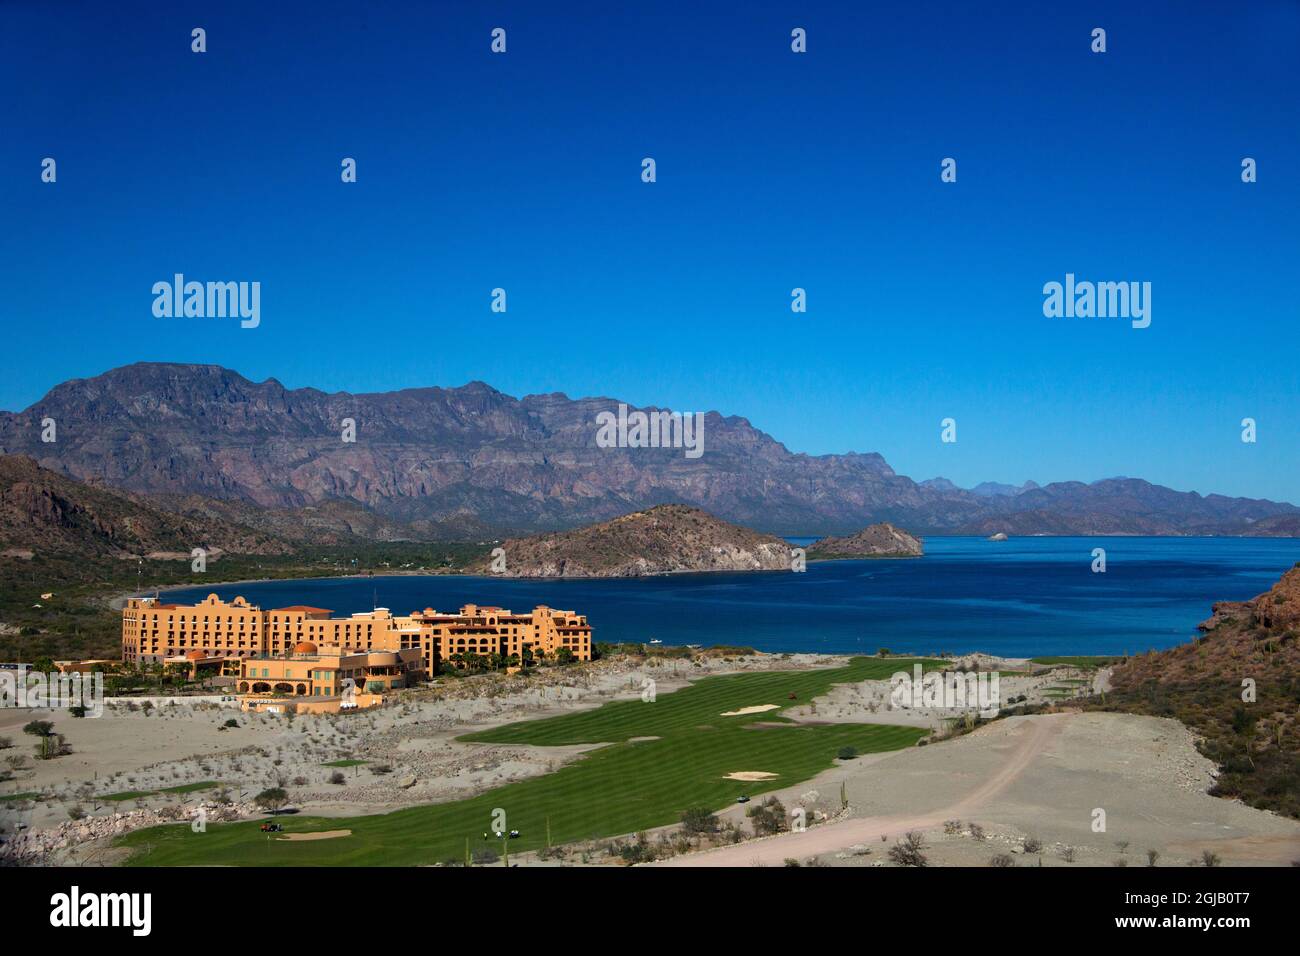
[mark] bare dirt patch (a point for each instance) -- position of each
(1037, 777)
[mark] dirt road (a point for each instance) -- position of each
(831, 837)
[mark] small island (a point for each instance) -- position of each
(666, 539)
(875, 541)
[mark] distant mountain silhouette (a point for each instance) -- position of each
(471, 460)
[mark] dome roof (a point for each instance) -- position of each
(194, 655)
(304, 647)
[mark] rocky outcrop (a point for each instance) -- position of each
(877, 541)
(40, 847)
(1276, 611)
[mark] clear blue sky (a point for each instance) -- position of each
(775, 170)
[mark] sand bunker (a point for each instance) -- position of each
(322, 835)
(750, 775)
(757, 709)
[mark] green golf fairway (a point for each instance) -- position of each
(619, 788)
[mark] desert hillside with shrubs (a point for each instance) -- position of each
(1207, 684)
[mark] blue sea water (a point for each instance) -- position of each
(1022, 597)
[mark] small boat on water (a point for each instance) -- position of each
(655, 640)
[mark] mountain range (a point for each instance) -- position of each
(472, 461)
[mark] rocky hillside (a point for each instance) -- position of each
(876, 541)
(327, 523)
(1245, 646)
(457, 462)
(662, 540)
(43, 512)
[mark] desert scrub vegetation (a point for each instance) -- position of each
(768, 817)
(1255, 745)
(909, 850)
(1237, 687)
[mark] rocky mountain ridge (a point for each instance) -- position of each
(472, 461)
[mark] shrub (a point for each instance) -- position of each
(697, 820)
(847, 753)
(38, 728)
(907, 851)
(1002, 859)
(638, 851)
(273, 798)
(337, 777)
(1033, 844)
(768, 817)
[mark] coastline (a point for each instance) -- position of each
(1043, 601)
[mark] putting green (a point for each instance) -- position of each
(623, 787)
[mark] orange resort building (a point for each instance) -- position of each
(323, 680)
(249, 640)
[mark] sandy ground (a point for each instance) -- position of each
(410, 754)
(1043, 777)
(756, 709)
(318, 835)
